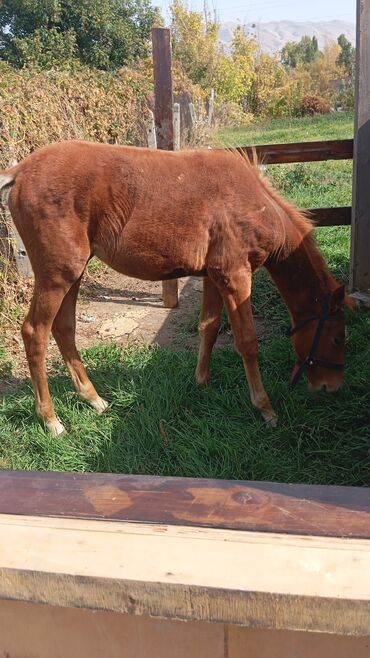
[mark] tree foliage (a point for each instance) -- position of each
(195, 43)
(100, 33)
(304, 51)
(196, 48)
(347, 55)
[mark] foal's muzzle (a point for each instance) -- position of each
(311, 360)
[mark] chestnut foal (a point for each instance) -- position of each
(159, 215)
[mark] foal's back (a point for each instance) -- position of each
(150, 214)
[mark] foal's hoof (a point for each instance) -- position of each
(99, 404)
(55, 427)
(270, 419)
(202, 379)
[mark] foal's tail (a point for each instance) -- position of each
(6, 179)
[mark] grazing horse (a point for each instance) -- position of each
(159, 215)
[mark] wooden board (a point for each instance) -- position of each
(331, 216)
(259, 506)
(163, 113)
(360, 245)
(338, 149)
(29, 629)
(196, 574)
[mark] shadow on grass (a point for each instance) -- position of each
(159, 422)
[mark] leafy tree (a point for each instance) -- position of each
(347, 55)
(233, 73)
(304, 51)
(101, 33)
(268, 89)
(195, 43)
(325, 70)
(196, 48)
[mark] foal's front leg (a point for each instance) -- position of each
(235, 288)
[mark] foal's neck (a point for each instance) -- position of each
(302, 278)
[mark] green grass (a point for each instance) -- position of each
(159, 422)
(330, 126)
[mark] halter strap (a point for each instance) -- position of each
(311, 360)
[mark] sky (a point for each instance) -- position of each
(254, 11)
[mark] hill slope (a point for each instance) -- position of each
(273, 35)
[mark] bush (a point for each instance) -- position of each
(39, 107)
(230, 115)
(345, 98)
(313, 104)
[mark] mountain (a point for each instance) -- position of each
(273, 35)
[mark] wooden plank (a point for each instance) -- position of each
(42, 631)
(338, 149)
(176, 126)
(163, 113)
(259, 643)
(360, 245)
(150, 131)
(259, 506)
(362, 299)
(331, 216)
(30, 630)
(162, 65)
(251, 579)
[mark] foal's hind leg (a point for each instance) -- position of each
(235, 288)
(64, 330)
(209, 325)
(35, 332)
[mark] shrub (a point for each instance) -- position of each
(313, 104)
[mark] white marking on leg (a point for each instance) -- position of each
(55, 427)
(98, 404)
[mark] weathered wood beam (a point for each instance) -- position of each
(340, 216)
(360, 246)
(338, 149)
(163, 113)
(244, 578)
(234, 505)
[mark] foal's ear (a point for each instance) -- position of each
(337, 299)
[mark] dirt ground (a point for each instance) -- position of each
(114, 308)
(124, 310)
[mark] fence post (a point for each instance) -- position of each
(176, 127)
(150, 131)
(211, 104)
(163, 113)
(360, 242)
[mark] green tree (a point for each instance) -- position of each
(195, 43)
(347, 55)
(101, 33)
(304, 51)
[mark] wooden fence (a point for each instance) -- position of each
(108, 565)
(339, 149)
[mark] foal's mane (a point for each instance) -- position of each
(288, 242)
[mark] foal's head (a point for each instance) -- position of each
(319, 341)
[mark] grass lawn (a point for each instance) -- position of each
(159, 422)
